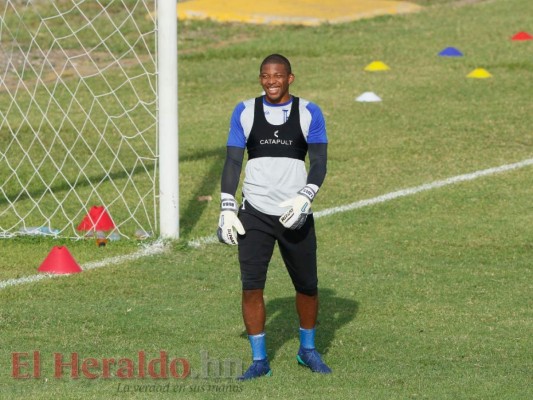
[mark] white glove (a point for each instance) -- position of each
(300, 206)
(228, 222)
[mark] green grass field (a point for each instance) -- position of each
(426, 296)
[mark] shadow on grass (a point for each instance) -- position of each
(66, 185)
(192, 211)
(282, 320)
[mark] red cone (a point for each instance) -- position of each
(96, 220)
(59, 261)
(522, 36)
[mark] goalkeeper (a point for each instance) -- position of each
(278, 130)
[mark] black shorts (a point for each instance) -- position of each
(297, 248)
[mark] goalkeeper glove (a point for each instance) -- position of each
(300, 206)
(228, 222)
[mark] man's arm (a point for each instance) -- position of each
(295, 217)
(317, 141)
(318, 159)
(228, 224)
(232, 171)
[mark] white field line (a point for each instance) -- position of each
(155, 248)
(159, 247)
(423, 188)
(394, 195)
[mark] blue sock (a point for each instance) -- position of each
(307, 338)
(258, 344)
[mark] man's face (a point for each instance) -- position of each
(275, 81)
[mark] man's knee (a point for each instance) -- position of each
(251, 284)
(308, 291)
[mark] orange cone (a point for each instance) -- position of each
(97, 219)
(522, 36)
(59, 261)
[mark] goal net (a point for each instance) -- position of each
(78, 117)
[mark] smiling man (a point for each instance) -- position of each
(278, 130)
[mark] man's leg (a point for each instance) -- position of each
(253, 311)
(255, 251)
(298, 249)
(254, 315)
(308, 356)
(307, 307)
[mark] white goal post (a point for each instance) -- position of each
(89, 118)
(168, 117)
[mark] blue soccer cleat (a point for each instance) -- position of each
(311, 358)
(258, 369)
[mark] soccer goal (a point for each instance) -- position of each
(88, 117)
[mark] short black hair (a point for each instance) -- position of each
(277, 59)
